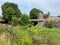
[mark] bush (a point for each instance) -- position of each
(50, 25)
(14, 21)
(24, 20)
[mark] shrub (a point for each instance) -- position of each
(14, 21)
(50, 25)
(24, 19)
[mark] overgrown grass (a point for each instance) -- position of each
(23, 35)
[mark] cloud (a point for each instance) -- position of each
(45, 5)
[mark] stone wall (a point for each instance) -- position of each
(56, 23)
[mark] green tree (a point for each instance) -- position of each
(10, 10)
(34, 14)
(24, 19)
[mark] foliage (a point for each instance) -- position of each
(42, 35)
(34, 14)
(10, 10)
(14, 21)
(50, 25)
(34, 35)
(24, 19)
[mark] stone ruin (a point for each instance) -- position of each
(44, 18)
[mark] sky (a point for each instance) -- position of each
(52, 6)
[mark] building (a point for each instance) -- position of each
(44, 18)
(2, 21)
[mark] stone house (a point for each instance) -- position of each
(44, 18)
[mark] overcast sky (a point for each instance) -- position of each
(52, 6)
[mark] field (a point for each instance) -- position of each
(23, 35)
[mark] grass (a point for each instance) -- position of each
(23, 35)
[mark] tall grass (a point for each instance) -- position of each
(22, 35)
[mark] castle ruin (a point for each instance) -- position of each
(44, 18)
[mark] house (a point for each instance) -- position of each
(41, 19)
(44, 18)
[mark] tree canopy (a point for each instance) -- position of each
(10, 10)
(34, 13)
(24, 19)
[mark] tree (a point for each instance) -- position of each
(24, 19)
(10, 10)
(34, 14)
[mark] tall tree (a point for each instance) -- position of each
(34, 14)
(10, 10)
